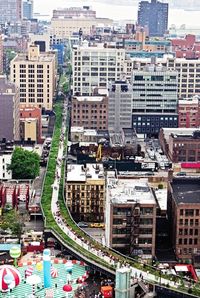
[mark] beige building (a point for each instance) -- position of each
(95, 66)
(35, 74)
(85, 192)
(65, 27)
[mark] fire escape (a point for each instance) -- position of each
(135, 229)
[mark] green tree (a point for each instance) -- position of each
(24, 164)
(13, 221)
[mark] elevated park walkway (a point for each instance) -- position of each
(59, 223)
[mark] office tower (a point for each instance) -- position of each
(120, 106)
(155, 99)
(154, 15)
(9, 111)
(35, 74)
(27, 9)
(95, 67)
(10, 11)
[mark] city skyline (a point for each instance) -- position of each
(176, 16)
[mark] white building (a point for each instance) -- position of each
(95, 66)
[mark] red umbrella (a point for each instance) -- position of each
(12, 271)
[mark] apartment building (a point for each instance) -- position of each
(85, 192)
(154, 15)
(95, 66)
(35, 74)
(9, 111)
(189, 112)
(130, 216)
(155, 99)
(120, 106)
(181, 144)
(91, 112)
(184, 216)
(65, 27)
(188, 72)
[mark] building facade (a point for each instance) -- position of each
(184, 148)
(120, 106)
(155, 99)
(95, 67)
(130, 217)
(91, 112)
(85, 192)
(65, 27)
(9, 111)
(35, 74)
(184, 217)
(153, 15)
(10, 11)
(6, 150)
(30, 124)
(189, 112)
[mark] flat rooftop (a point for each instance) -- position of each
(89, 98)
(79, 173)
(43, 57)
(161, 196)
(129, 191)
(186, 190)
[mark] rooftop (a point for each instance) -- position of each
(161, 196)
(79, 173)
(43, 57)
(129, 191)
(186, 190)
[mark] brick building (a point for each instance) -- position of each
(184, 216)
(91, 112)
(180, 144)
(189, 112)
(186, 47)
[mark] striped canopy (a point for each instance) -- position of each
(6, 270)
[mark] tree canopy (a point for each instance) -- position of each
(11, 220)
(24, 164)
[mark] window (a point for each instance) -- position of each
(189, 212)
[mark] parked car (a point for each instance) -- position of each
(97, 225)
(82, 224)
(181, 174)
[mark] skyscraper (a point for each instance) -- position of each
(153, 15)
(28, 9)
(10, 11)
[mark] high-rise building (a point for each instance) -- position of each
(123, 283)
(9, 111)
(95, 66)
(153, 15)
(155, 99)
(10, 11)
(27, 9)
(35, 74)
(120, 106)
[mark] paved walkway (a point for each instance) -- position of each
(136, 273)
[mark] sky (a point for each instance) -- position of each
(117, 12)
